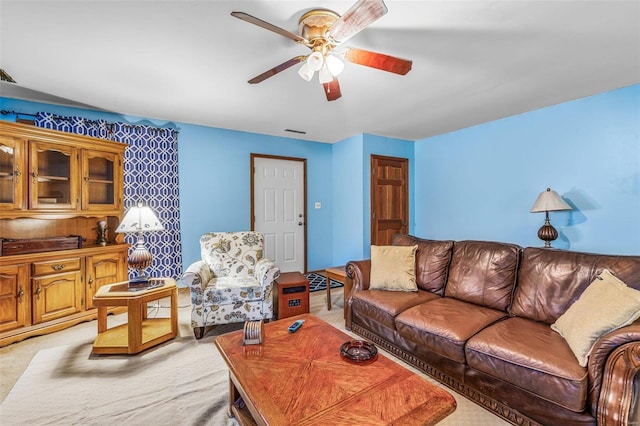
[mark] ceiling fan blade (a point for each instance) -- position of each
(378, 60)
(357, 18)
(264, 24)
(332, 89)
(275, 70)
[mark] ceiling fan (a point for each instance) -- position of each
(323, 31)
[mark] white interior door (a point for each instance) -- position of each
(279, 210)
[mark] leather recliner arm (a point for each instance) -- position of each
(614, 371)
(359, 271)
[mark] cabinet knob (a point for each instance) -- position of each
(38, 291)
(34, 175)
(17, 174)
(58, 267)
(90, 280)
(20, 293)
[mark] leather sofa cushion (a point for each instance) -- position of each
(483, 273)
(444, 325)
(533, 357)
(382, 306)
(432, 261)
(549, 280)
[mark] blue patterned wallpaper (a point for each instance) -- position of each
(150, 176)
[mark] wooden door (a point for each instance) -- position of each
(53, 176)
(56, 296)
(278, 209)
(14, 297)
(103, 269)
(13, 169)
(389, 198)
(101, 180)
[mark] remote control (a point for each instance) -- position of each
(295, 326)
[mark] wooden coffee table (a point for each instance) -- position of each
(300, 378)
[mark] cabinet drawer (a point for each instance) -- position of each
(55, 266)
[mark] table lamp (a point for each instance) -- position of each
(548, 201)
(139, 219)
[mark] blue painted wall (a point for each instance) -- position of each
(476, 183)
(481, 182)
(348, 200)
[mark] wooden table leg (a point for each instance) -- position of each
(134, 326)
(328, 293)
(102, 319)
(174, 312)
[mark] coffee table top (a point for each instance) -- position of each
(120, 290)
(301, 378)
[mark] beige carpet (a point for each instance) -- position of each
(182, 382)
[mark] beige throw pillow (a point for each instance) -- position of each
(393, 268)
(606, 305)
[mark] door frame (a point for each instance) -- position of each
(304, 189)
(373, 196)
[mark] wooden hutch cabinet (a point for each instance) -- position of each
(55, 184)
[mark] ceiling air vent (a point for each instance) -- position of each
(300, 132)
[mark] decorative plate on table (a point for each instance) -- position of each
(359, 351)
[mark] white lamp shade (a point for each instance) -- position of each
(305, 72)
(549, 201)
(325, 75)
(315, 61)
(139, 218)
(335, 65)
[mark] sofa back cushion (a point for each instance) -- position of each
(483, 273)
(432, 261)
(232, 254)
(550, 280)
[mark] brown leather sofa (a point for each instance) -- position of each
(480, 324)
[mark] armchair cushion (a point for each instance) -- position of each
(232, 254)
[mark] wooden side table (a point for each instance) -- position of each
(291, 295)
(140, 332)
(338, 273)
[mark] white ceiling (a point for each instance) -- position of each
(189, 61)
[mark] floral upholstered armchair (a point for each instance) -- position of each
(232, 282)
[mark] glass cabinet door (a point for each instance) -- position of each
(101, 175)
(53, 176)
(12, 173)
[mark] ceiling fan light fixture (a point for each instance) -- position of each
(305, 72)
(335, 65)
(315, 61)
(325, 75)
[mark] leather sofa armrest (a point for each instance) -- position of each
(359, 271)
(614, 371)
(618, 402)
